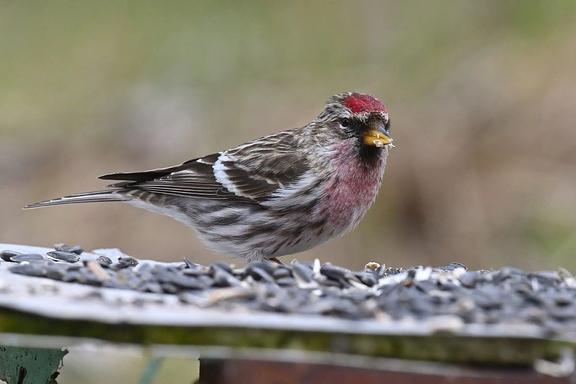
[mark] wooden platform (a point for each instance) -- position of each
(43, 313)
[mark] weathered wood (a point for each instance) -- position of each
(39, 306)
(216, 371)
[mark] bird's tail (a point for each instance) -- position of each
(85, 197)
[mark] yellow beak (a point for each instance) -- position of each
(376, 138)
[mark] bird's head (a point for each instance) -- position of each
(353, 115)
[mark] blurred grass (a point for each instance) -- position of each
(481, 95)
(123, 366)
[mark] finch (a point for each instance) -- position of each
(273, 196)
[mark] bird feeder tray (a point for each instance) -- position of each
(295, 320)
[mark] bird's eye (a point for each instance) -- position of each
(345, 122)
(387, 125)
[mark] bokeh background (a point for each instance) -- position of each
(482, 96)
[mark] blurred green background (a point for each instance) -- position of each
(482, 97)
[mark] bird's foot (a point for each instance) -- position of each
(276, 260)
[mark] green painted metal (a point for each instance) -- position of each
(30, 365)
(151, 370)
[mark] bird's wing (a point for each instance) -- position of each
(255, 171)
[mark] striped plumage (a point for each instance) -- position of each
(277, 195)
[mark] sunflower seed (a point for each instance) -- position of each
(29, 269)
(7, 255)
(468, 279)
(66, 256)
(69, 248)
(29, 257)
(504, 296)
(302, 272)
(259, 274)
(104, 261)
(223, 278)
(125, 262)
(281, 272)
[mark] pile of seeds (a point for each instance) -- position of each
(504, 296)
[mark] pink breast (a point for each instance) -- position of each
(352, 188)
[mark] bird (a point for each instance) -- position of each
(274, 196)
